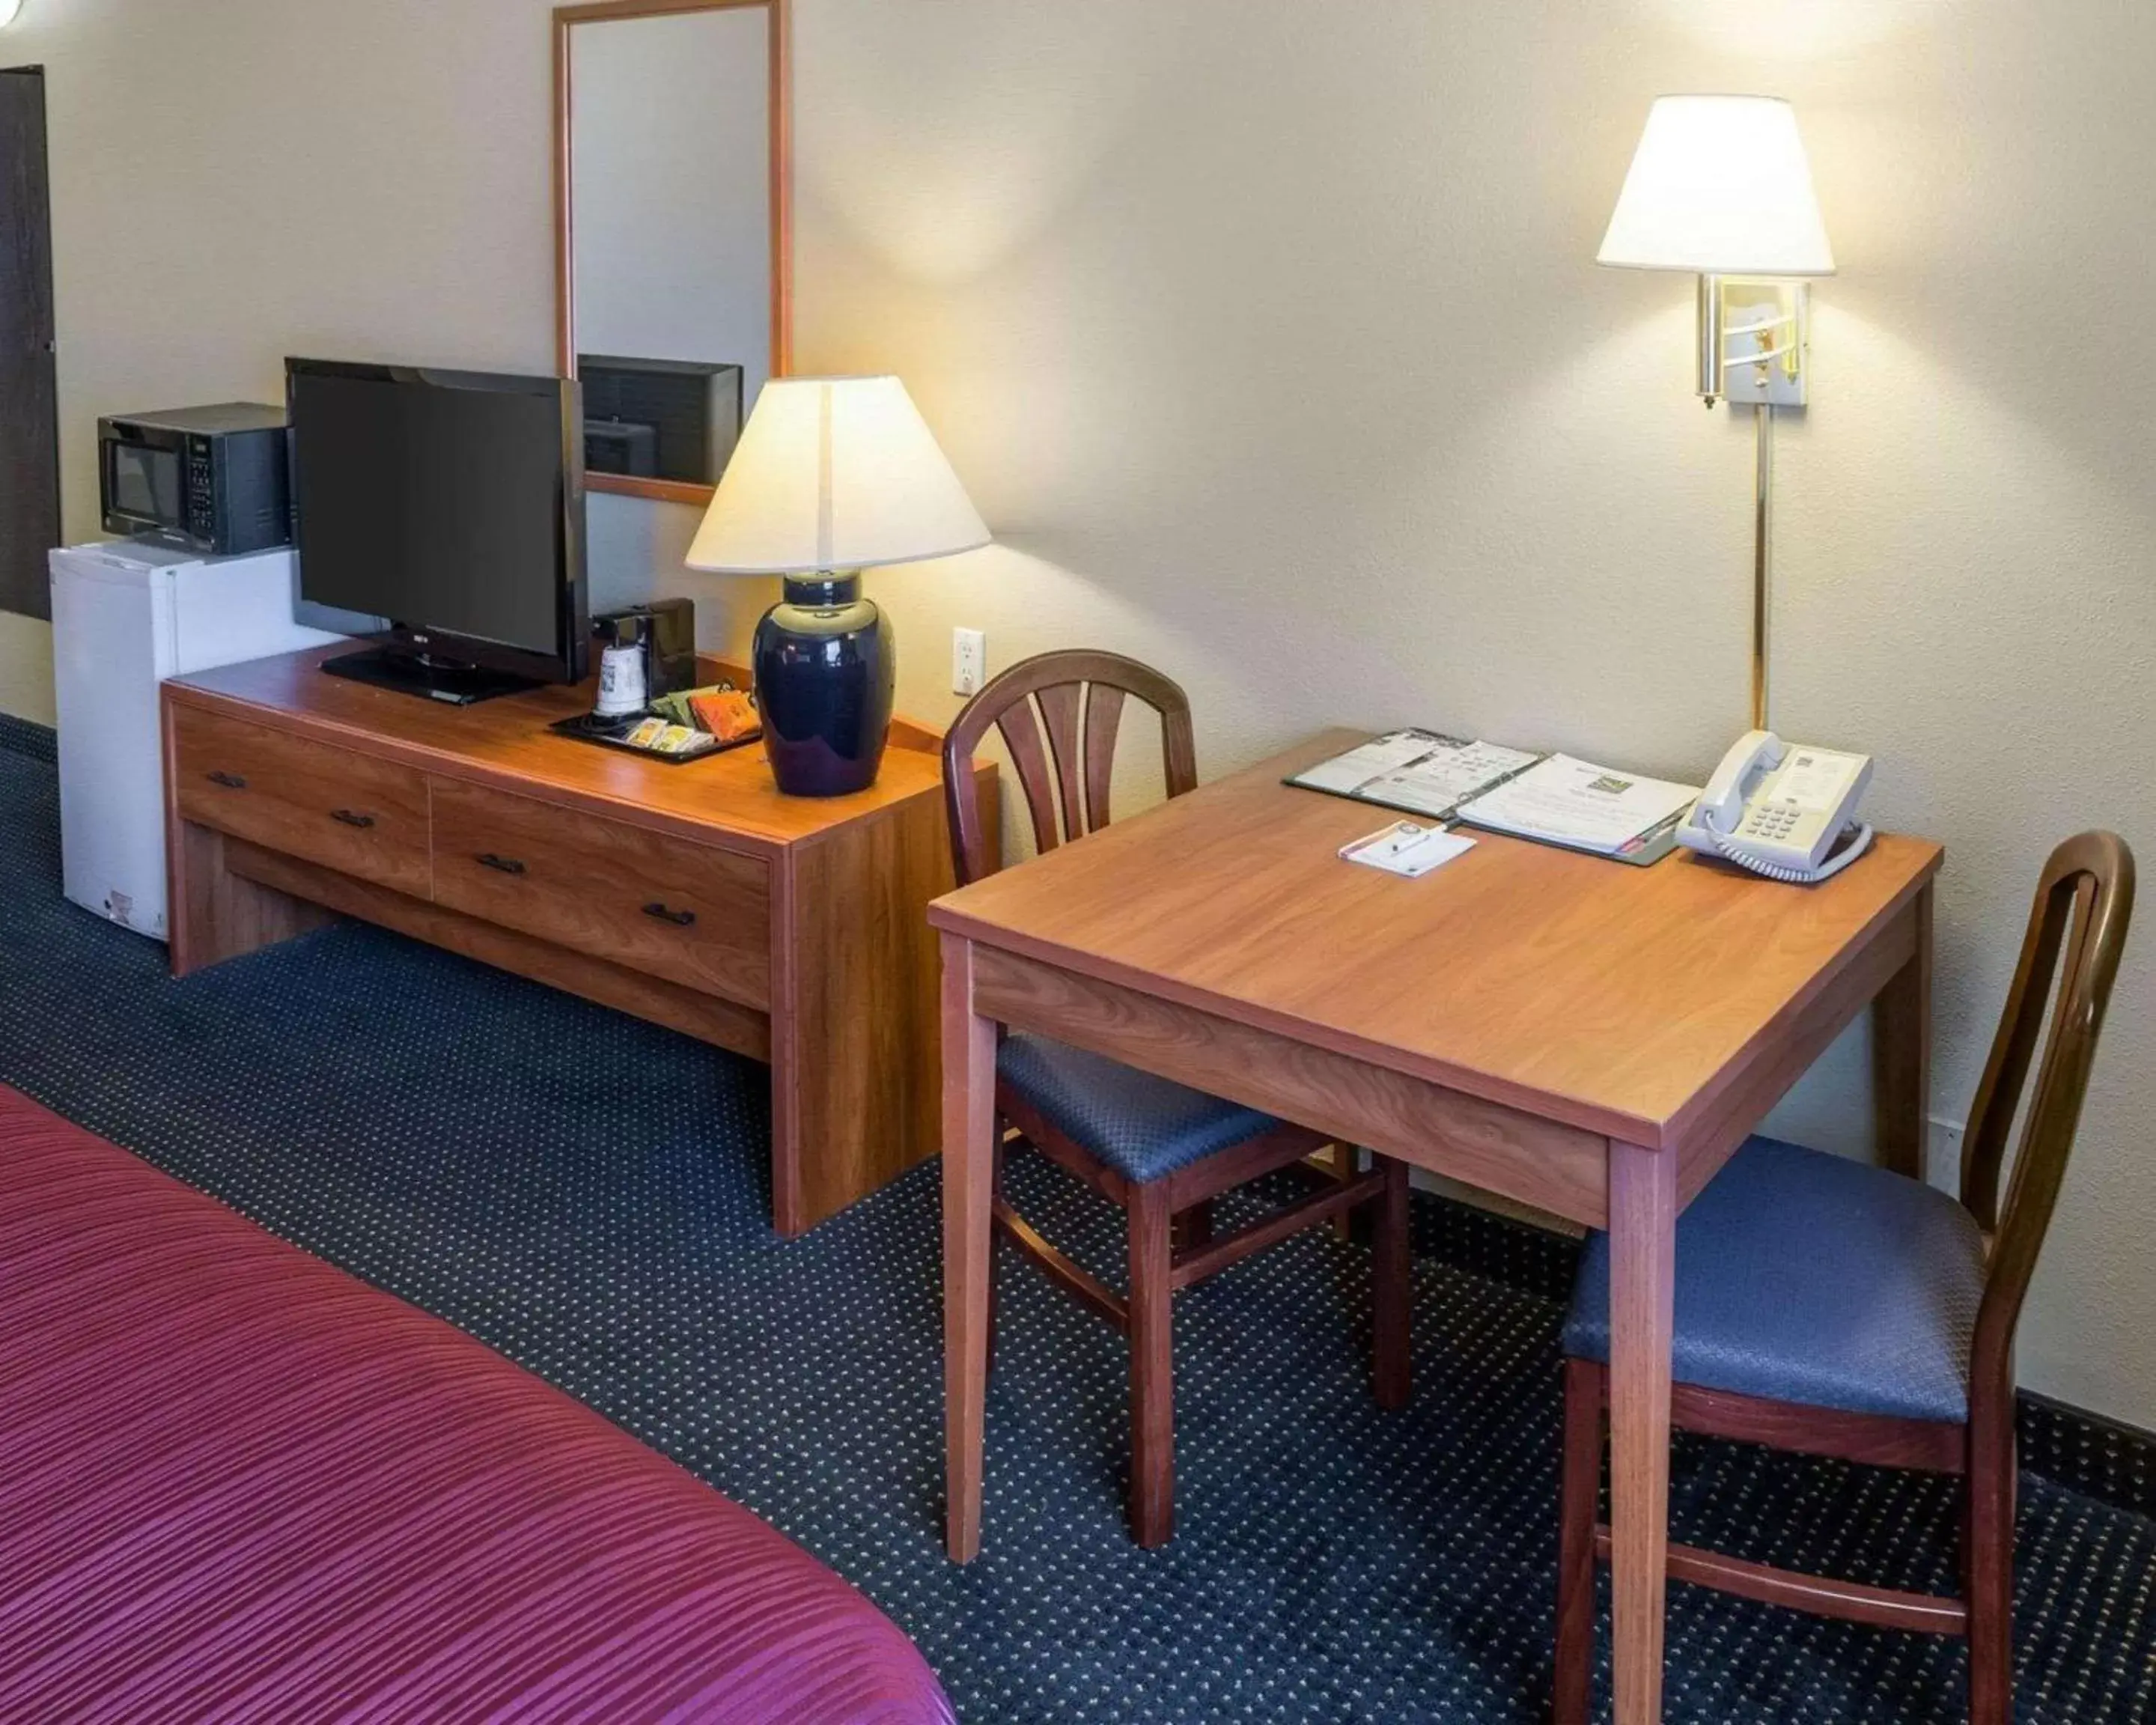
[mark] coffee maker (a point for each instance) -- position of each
(644, 652)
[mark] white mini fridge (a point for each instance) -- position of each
(125, 616)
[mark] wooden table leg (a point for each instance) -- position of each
(1643, 1212)
(1152, 1368)
(1902, 1052)
(969, 1166)
(213, 914)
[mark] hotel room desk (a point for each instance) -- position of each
(1592, 1039)
(785, 928)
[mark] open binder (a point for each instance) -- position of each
(1551, 800)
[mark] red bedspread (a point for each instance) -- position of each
(236, 1483)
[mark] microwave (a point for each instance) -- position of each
(213, 481)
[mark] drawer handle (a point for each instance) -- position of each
(501, 865)
(679, 919)
(230, 781)
(352, 818)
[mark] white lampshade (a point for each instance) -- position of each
(835, 473)
(1719, 186)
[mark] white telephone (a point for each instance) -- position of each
(1777, 809)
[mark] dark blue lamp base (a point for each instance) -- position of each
(824, 668)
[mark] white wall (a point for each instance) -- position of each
(1267, 335)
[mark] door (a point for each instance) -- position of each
(29, 418)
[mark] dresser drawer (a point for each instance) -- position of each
(348, 812)
(695, 915)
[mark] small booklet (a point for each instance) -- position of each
(1584, 807)
(1418, 772)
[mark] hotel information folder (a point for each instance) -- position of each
(1418, 772)
(1582, 806)
(1553, 800)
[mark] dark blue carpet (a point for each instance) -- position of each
(587, 1193)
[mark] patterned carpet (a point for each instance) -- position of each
(588, 1195)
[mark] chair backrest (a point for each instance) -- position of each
(1059, 713)
(2083, 905)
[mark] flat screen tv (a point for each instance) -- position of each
(452, 504)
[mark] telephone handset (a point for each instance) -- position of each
(1777, 809)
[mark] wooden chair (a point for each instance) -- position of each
(1837, 1309)
(1160, 1152)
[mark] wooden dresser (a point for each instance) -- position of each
(696, 896)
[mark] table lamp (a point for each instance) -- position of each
(1721, 188)
(831, 475)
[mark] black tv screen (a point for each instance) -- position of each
(450, 503)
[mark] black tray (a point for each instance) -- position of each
(613, 734)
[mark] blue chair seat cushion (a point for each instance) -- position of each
(1142, 1127)
(1807, 1278)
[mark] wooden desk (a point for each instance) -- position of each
(1589, 1038)
(786, 929)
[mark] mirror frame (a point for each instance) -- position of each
(566, 19)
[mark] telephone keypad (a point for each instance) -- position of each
(1767, 822)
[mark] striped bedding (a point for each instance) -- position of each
(237, 1484)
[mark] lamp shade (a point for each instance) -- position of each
(835, 473)
(1719, 186)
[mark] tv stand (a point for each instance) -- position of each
(791, 930)
(453, 681)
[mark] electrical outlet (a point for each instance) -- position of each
(969, 660)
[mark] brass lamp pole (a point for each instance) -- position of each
(1763, 552)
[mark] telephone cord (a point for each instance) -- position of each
(1758, 865)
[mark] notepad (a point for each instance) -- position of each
(1407, 848)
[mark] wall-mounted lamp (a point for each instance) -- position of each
(1720, 187)
(9, 11)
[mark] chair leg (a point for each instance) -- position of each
(997, 1187)
(1391, 1288)
(1152, 1368)
(1988, 1567)
(1193, 1227)
(1579, 1504)
(1347, 1164)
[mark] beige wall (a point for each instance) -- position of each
(26, 667)
(1266, 334)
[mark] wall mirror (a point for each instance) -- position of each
(671, 230)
